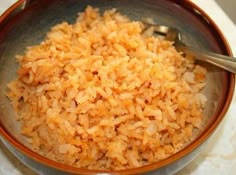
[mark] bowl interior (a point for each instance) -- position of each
(30, 26)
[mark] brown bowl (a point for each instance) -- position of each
(27, 22)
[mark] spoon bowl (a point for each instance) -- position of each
(172, 34)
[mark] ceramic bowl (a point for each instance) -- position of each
(27, 22)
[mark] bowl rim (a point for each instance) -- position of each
(6, 16)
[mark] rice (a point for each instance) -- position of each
(103, 94)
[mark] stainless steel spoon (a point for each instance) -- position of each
(172, 34)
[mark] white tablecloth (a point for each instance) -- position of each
(218, 158)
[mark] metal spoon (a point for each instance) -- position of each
(172, 34)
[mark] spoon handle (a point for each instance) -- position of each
(222, 61)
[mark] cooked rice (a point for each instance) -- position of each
(103, 94)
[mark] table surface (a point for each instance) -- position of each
(219, 156)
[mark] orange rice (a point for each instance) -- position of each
(101, 94)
